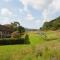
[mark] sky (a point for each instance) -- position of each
(30, 13)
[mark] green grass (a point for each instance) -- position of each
(13, 52)
(35, 38)
(39, 49)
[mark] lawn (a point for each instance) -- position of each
(38, 49)
(35, 38)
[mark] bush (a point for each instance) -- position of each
(15, 34)
(27, 39)
(11, 41)
(43, 35)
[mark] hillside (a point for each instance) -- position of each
(52, 25)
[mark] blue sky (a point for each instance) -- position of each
(30, 13)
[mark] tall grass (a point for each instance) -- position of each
(39, 49)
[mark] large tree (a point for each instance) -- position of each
(15, 25)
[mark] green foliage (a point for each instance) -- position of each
(27, 39)
(8, 39)
(52, 25)
(39, 49)
(18, 30)
(21, 29)
(35, 38)
(15, 34)
(13, 41)
(15, 26)
(43, 35)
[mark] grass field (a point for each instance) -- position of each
(38, 49)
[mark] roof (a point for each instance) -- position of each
(5, 28)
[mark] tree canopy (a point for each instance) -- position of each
(16, 27)
(52, 25)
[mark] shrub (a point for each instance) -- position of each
(11, 41)
(27, 39)
(15, 34)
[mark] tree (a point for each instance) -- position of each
(15, 25)
(21, 29)
(52, 25)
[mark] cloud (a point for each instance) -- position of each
(5, 16)
(37, 21)
(29, 17)
(7, 0)
(32, 11)
(6, 12)
(48, 5)
(56, 4)
(51, 11)
(44, 5)
(45, 14)
(35, 3)
(5, 20)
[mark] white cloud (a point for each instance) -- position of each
(25, 2)
(55, 5)
(5, 20)
(6, 12)
(7, 0)
(29, 17)
(45, 13)
(5, 16)
(35, 3)
(37, 21)
(51, 10)
(48, 8)
(20, 10)
(44, 5)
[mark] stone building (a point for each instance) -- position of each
(5, 32)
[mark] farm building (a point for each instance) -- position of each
(5, 31)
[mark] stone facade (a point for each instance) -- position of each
(5, 31)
